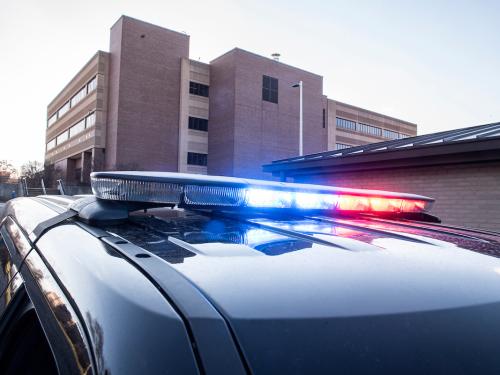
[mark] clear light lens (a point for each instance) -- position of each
(314, 201)
(136, 191)
(385, 204)
(213, 196)
(353, 203)
(213, 191)
(268, 198)
(416, 206)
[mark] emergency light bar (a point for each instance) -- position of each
(200, 191)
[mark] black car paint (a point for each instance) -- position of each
(313, 295)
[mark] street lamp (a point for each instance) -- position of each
(301, 119)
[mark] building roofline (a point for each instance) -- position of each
(473, 138)
(198, 62)
(123, 16)
(452, 152)
(373, 112)
(238, 49)
(99, 52)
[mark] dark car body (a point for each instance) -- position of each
(179, 291)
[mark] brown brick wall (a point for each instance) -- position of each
(143, 116)
(263, 131)
(466, 194)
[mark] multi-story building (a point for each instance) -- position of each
(353, 126)
(77, 121)
(146, 105)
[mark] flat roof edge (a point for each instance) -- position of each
(482, 145)
(238, 49)
(99, 52)
(375, 113)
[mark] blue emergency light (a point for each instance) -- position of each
(200, 191)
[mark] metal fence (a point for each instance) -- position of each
(13, 190)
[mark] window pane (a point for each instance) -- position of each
(51, 144)
(194, 158)
(390, 134)
(52, 119)
(77, 128)
(369, 129)
(196, 123)
(62, 137)
(199, 89)
(63, 110)
(274, 84)
(341, 146)
(90, 121)
(346, 124)
(78, 97)
(270, 89)
(92, 85)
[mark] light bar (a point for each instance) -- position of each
(199, 191)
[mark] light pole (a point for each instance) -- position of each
(301, 119)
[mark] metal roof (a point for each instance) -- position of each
(473, 133)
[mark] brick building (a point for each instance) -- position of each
(146, 105)
(460, 169)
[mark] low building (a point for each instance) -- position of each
(146, 105)
(460, 169)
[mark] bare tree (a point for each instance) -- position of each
(7, 170)
(31, 169)
(33, 172)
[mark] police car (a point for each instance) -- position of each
(165, 273)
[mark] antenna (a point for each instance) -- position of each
(276, 56)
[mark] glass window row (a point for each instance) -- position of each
(75, 99)
(368, 129)
(341, 146)
(346, 124)
(79, 127)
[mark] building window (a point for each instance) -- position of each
(270, 89)
(346, 124)
(92, 85)
(77, 128)
(324, 118)
(194, 158)
(90, 120)
(390, 134)
(52, 119)
(78, 97)
(63, 110)
(199, 89)
(51, 144)
(62, 137)
(341, 146)
(196, 123)
(369, 129)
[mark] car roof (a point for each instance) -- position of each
(223, 253)
(287, 284)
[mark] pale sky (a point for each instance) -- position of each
(436, 63)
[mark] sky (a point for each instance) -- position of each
(435, 63)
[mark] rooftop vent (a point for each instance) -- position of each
(276, 56)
